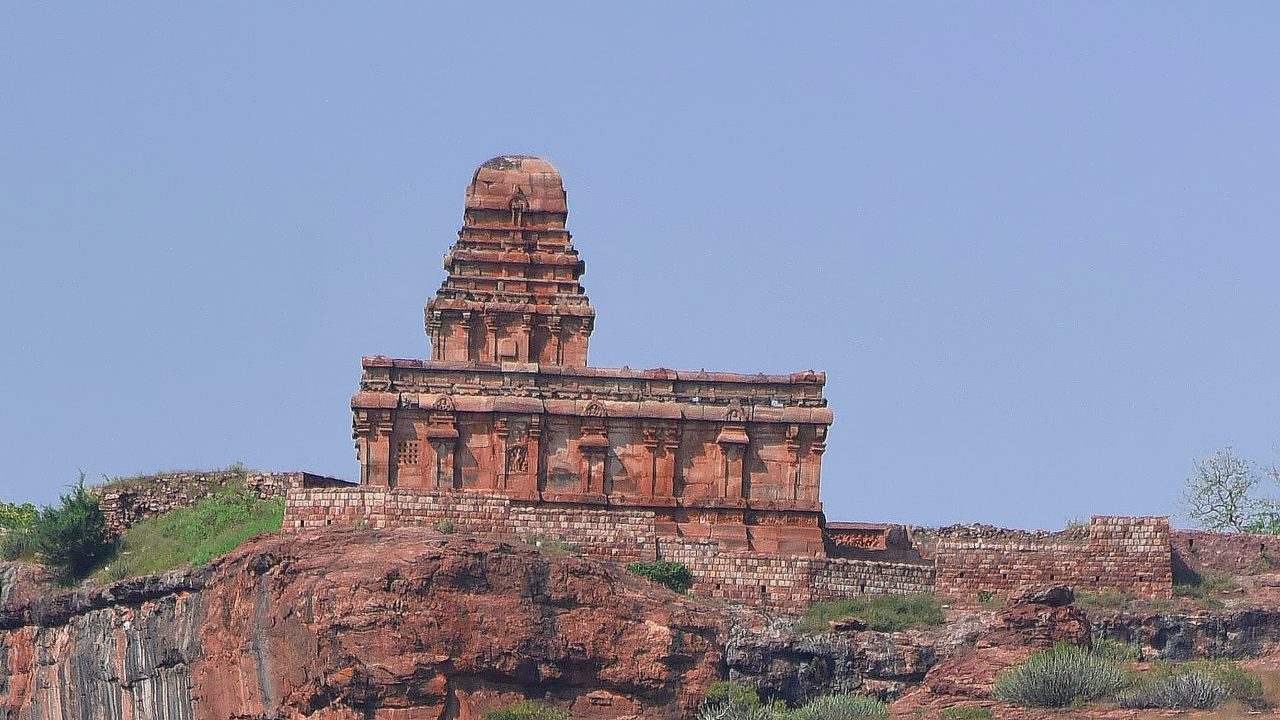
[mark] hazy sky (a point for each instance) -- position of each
(1034, 245)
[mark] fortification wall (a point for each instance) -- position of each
(1125, 553)
(1225, 552)
(788, 583)
(1130, 554)
(125, 501)
(620, 535)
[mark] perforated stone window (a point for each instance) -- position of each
(407, 452)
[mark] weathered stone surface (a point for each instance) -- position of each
(395, 624)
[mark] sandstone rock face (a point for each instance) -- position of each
(1025, 624)
(1233, 633)
(771, 655)
(404, 624)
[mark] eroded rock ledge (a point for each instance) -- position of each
(353, 624)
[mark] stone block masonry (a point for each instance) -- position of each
(1130, 554)
(125, 501)
(619, 535)
(789, 583)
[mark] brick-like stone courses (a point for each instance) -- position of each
(620, 535)
(1130, 554)
(1226, 552)
(126, 501)
(789, 584)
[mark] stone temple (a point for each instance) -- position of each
(509, 405)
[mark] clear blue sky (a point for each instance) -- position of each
(1034, 245)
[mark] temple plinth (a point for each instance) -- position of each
(508, 405)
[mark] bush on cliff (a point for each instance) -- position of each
(884, 613)
(1060, 676)
(15, 524)
(196, 534)
(525, 710)
(672, 574)
(69, 537)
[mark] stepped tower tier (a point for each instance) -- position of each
(512, 294)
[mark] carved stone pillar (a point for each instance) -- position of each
(594, 447)
(814, 481)
(797, 463)
(442, 433)
(733, 441)
(490, 339)
(665, 481)
(501, 456)
(372, 432)
(553, 340)
(652, 435)
(534, 456)
(466, 324)
(525, 340)
(434, 324)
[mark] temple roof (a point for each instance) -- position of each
(500, 180)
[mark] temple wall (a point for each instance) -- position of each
(1130, 554)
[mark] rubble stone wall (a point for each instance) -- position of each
(620, 535)
(1226, 552)
(1131, 554)
(125, 501)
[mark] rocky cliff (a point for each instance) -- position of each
(401, 624)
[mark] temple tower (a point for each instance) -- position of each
(508, 405)
(512, 294)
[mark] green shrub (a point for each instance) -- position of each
(885, 613)
(1114, 650)
(727, 692)
(69, 538)
(1241, 684)
(1059, 676)
(728, 711)
(986, 597)
(965, 712)
(1190, 689)
(1199, 594)
(672, 574)
(14, 516)
(18, 544)
(839, 707)
(444, 525)
(1105, 599)
(195, 534)
(525, 710)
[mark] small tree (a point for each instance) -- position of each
(70, 537)
(1220, 493)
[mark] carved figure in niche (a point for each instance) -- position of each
(517, 459)
(734, 414)
(594, 409)
(443, 404)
